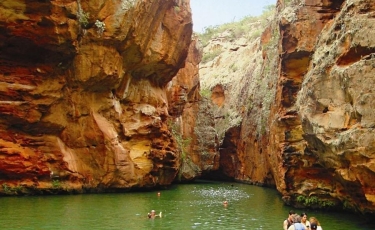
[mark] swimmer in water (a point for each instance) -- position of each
(225, 203)
(152, 215)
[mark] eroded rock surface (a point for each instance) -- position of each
(83, 98)
(304, 95)
(193, 122)
(337, 110)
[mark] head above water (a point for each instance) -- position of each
(152, 211)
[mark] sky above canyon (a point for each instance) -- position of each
(216, 12)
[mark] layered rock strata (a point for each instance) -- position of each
(192, 121)
(83, 102)
(304, 93)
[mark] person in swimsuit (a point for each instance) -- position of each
(288, 221)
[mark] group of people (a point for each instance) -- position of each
(300, 222)
(293, 222)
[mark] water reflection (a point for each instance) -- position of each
(195, 206)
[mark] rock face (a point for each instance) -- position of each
(243, 84)
(83, 102)
(304, 93)
(336, 107)
(193, 121)
(322, 126)
(105, 95)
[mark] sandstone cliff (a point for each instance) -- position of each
(192, 122)
(294, 108)
(105, 95)
(83, 97)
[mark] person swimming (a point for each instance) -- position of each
(152, 215)
(225, 203)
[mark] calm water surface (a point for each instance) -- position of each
(193, 206)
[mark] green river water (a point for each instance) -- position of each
(186, 206)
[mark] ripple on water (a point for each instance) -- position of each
(221, 193)
(197, 206)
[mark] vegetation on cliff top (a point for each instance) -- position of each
(239, 29)
(232, 65)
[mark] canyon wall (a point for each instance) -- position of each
(106, 96)
(293, 108)
(335, 107)
(83, 96)
(192, 122)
